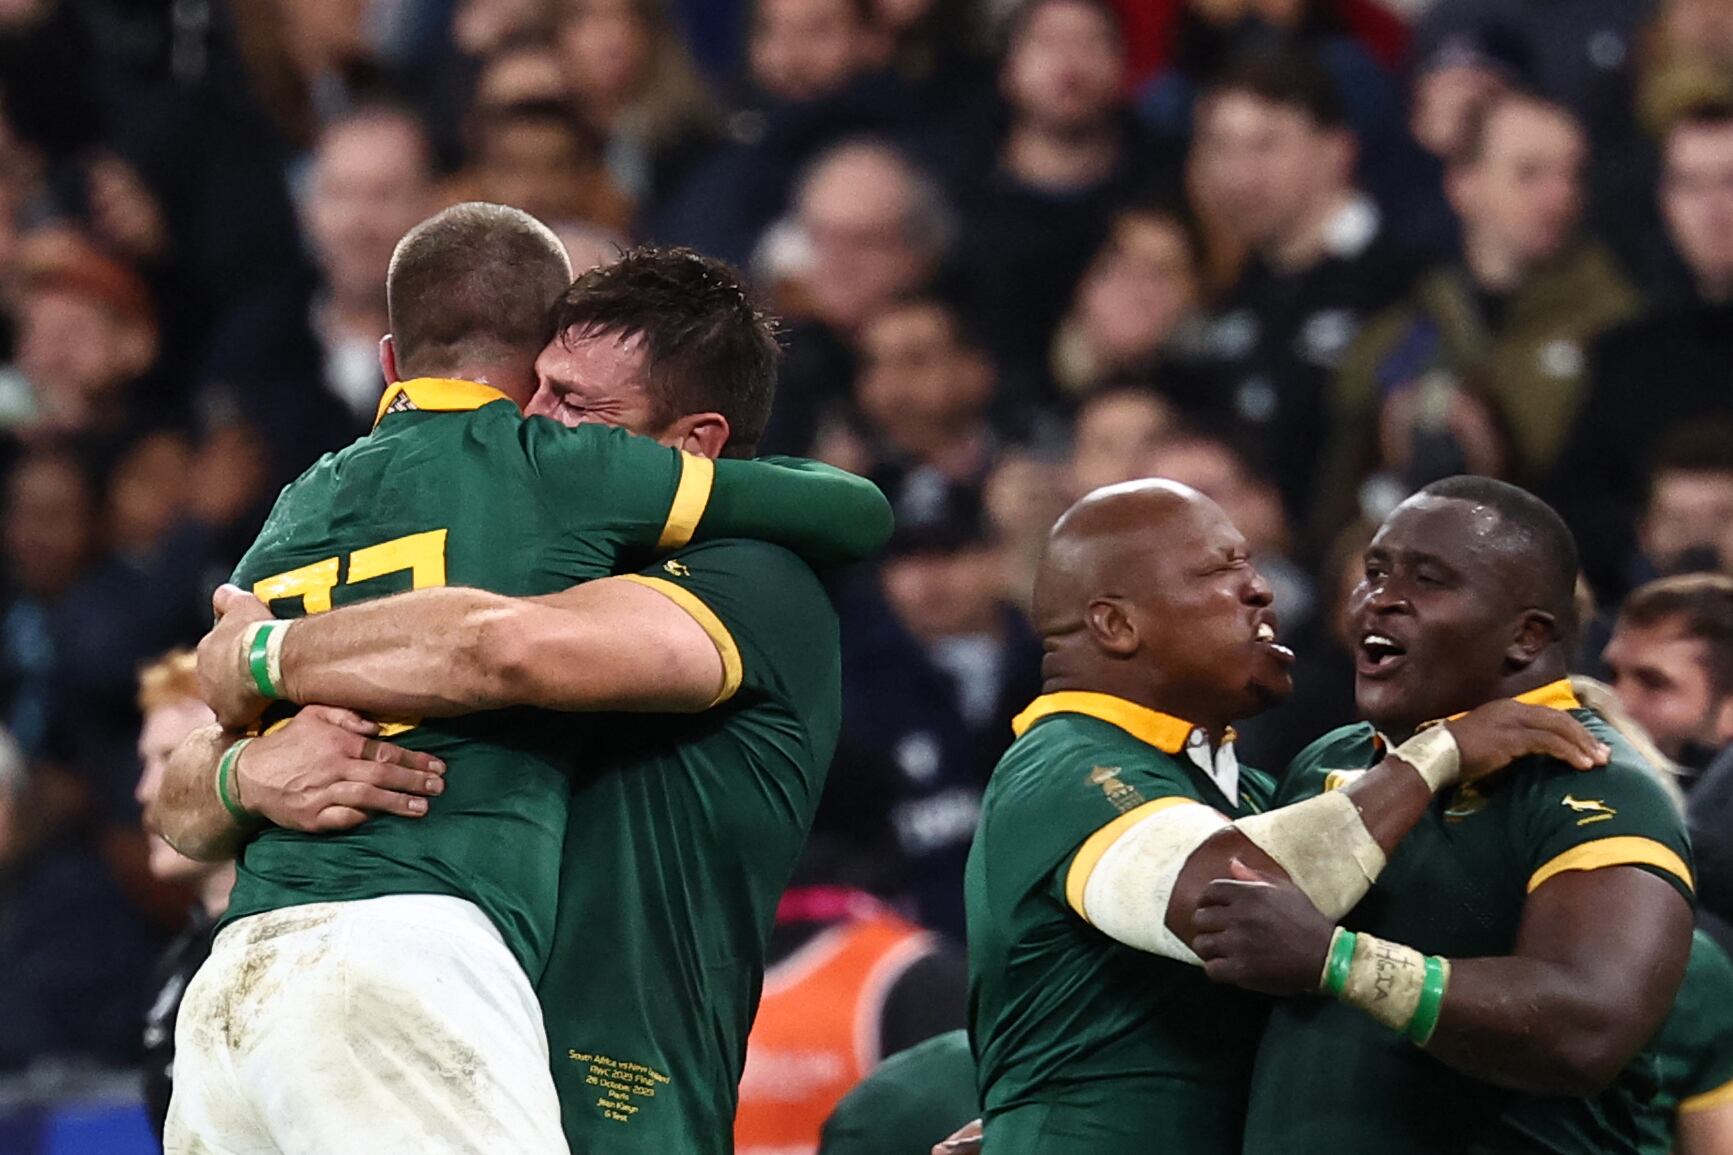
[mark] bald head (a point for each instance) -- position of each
(1093, 547)
(1145, 591)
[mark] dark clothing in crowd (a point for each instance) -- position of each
(174, 971)
(1645, 380)
(1277, 340)
(75, 956)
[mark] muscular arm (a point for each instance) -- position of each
(187, 810)
(322, 771)
(613, 644)
(1707, 1132)
(1598, 960)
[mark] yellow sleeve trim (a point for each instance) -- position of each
(1627, 850)
(732, 670)
(691, 498)
(1721, 1096)
(1097, 844)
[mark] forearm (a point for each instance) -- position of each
(825, 515)
(188, 811)
(1332, 847)
(1532, 1026)
(417, 654)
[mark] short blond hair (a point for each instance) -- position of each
(168, 680)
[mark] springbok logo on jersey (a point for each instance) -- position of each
(1122, 796)
(677, 568)
(1594, 808)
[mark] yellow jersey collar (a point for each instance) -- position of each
(1163, 731)
(1556, 695)
(437, 395)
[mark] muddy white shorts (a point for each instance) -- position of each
(389, 1026)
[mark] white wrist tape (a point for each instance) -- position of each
(1434, 754)
(1324, 846)
(1385, 980)
(1128, 892)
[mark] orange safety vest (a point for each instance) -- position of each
(817, 1031)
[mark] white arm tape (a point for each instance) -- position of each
(1128, 892)
(1324, 846)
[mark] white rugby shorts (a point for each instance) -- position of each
(388, 1026)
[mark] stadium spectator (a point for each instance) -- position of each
(1669, 368)
(87, 341)
(633, 80)
(1119, 432)
(1688, 522)
(808, 87)
(1137, 310)
(1451, 83)
(483, 29)
(1670, 661)
(1275, 155)
(74, 953)
(299, 358)
(935, 665)
(1210, 35)
(527, 72)
(1506, 326)
(872, 229)
(168, 698)
(923, 392)
(537, 157)
(1070, 155)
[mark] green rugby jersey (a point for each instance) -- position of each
(683, 832)
(1085, 1044)
(1332, 1080)
(1692, 1058)
(455, 487)
(912, 1100)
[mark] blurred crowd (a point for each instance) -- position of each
(1304, 255)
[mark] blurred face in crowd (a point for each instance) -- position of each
(1269, 168)
(147, 491)
(1661, 675)
(1689, 511)
(372, 182)
(481, 27)
(539, 163)
(164, 727)
(1445, 100)
(1697, 30)
(805, 49)
(77, 350)
(920, 384)
(1520, 199)
(1138, 289)
(1117, 437)
(1697, 200)
(1065, 68)
(606, 44)
(50, 525)
(1217, 472)
(527, 75)
(857, 210)
(944, 593)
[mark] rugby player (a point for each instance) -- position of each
(1692, 1110)
(372, 989)
(1121, 800)
(682, 831)
(1526, 939)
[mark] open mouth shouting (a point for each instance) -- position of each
(1264, 637)
(1380, 655)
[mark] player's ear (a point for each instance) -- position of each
(702, 434)
(1111, 627)
(1535, 631)
(388, 359)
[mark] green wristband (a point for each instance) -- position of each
(258, 659)
(1431, 1005)
(225, 772)
(1341, 957)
